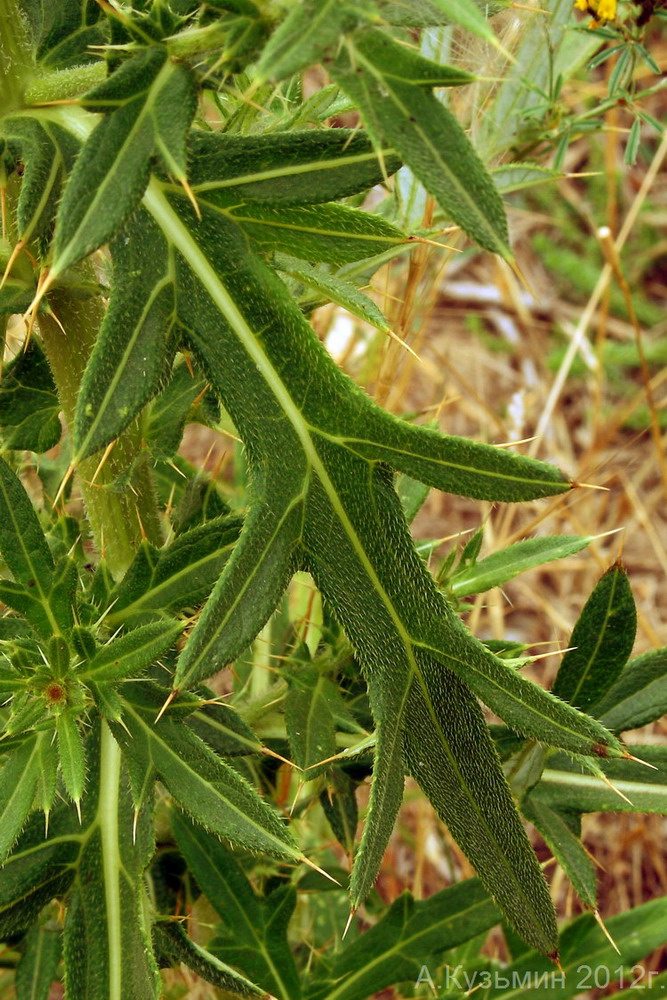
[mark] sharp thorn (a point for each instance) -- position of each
(61, 489)
(617, 791)
(600, 922)
(172, 694)
(77, 803)
(350, 918)
(191, 196)
(638, 760)
(100, 465)
(321, 871)
(10, 263)
(272, 753)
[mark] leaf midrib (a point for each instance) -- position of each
(145, 113)
(172, 226)
(151, 735)
(292, 170)
(434, 151)
(397, 948)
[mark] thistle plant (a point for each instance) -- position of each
(173, 205)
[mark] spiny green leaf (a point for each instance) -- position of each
(406, 937)
(177, 576)
(22, 542)
(332, 234)
(213, 793)
(173, 942)
(261, 951)
(18, 783)
(339, 803)
(71, 754)
(128, 360)
(47, 781)
(169, 411)
(305, 36)
(223, 730)
(584, 948)
(603, 639)
(48, 151)
(562, 833)
(467, 14)
(404, 64)
(63, 32)
(639, 696)
(38, 965)
(427, 137)
(131, 653)
(150, 103)
(333, 511)
(449, 751)
(295, 168)
(38, 870)
(308, 718)
(334, 288)
(507, 563)
(564, 786)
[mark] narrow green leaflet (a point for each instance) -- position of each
(131, 653)
(38, 870)
(211, 791)
(309, 719)
(603, 639)
(329, 286)
(71, 753)
(333, 234)
(407, 936)
(636, 788)
(48, 151)
(295, 168)
(107, 943)
(339, 803)
(425, 134)
(22, 542)
(177, 576)
(250, 939)
(467, 14)
(502, 566)
(134, 337)
(37, 967)
(562, 832)
(638, 696)
(222, 728)
(18, 784)
(150, 102)
(169, 411)
(174, 944)
(63, 32)
(305, 36)
(584, 947)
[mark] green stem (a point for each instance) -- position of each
(119, 517)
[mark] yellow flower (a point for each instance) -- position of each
(602, 10)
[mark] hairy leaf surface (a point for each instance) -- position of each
(335, 513)
(424, 133)
(602, 639)
(252, 940)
